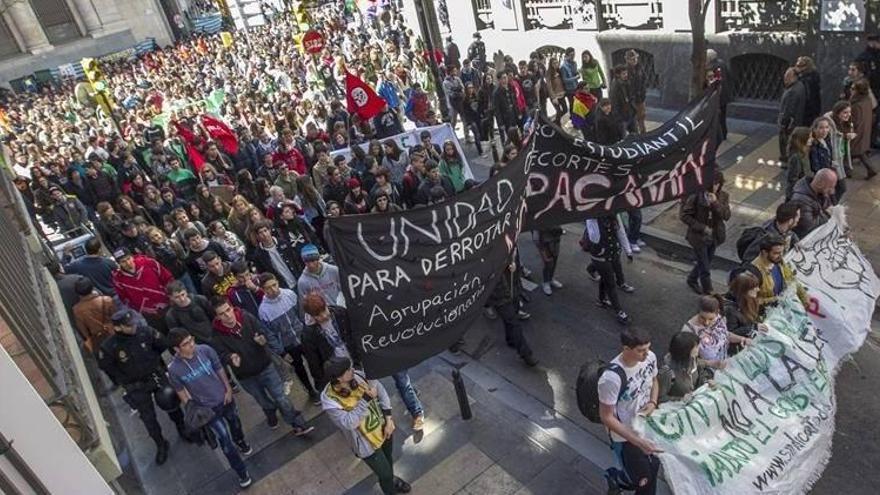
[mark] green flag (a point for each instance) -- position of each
(215, 100)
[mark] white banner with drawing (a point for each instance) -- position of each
(439, 134)
(767, 425)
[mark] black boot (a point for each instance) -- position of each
(706, 282)
(162, 452)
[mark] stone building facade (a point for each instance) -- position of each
(757, 38)
(36, 35)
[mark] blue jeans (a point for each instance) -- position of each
(408, 393)
(268, 389)
(634, 229)
(226, 426)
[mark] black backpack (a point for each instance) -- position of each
(587, 387)
(746, 239)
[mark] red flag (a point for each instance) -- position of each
(222, 133)
(361, 98)
(195, 158)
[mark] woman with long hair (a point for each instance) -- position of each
(244, 185)
(313, 206)
(799, 143)
(682, 372)
(375, 150)
(396, 160)
(171, 255)
(862, 114)
(237, 219)
(128, 209)
(471, 115)
(741, 307)
(154, 204)
(827, 148)
(384, 186)
(452, 166)
(592, 74)
(487, 111)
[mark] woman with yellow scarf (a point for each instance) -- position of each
(362, 410)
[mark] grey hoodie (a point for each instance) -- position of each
(326, 282)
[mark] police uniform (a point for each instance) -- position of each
(135, 363)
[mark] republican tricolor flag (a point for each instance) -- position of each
(581, 107)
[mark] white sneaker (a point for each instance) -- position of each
(556, 284)
(636, 248)
(641, 243)
(547, 290)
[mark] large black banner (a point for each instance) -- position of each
(415, 280)
(571, 179)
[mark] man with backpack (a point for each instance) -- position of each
(787, 217)
(615, 394)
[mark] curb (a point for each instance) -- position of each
(673, 245)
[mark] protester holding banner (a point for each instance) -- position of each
(505, 300)
(681, 372)
(620, 402)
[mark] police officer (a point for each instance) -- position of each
(132, 359)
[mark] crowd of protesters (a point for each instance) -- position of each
(219, 252)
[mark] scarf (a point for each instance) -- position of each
(370, 426)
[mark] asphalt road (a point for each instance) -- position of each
(567, 328)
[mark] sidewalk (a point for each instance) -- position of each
(513, 444)
(756, 182)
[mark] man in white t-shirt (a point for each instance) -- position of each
(618, 409)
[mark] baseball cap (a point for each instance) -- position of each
(121, 253)
(310, 252)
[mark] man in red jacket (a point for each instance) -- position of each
(140, 284)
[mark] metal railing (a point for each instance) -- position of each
(28, 310)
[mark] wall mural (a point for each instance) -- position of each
(633, 14)
(562, 14)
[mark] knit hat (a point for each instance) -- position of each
(353, 183)
(310, 252)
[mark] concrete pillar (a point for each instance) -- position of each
(99, 17)
(87, 14)
(109, 14)
(26, 24)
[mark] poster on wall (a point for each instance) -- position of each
(843, 16)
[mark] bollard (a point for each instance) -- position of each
(461, 394)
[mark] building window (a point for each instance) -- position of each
(8, 46)
(483, 14)
(646, 60)
(57, 20)
(757, 76)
